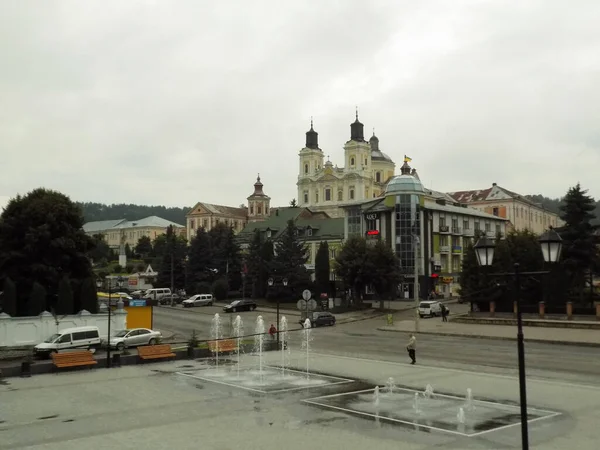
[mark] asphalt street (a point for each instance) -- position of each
(361, 339)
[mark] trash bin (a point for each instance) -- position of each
(116, 360)
(25, 369)
(390, 319)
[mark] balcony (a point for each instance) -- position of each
(444, 229)
(468, 232)
(456, 249)
(444, 249)
(490, 234)
(456, 230)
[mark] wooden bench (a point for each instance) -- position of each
(161, 351)
(73, 359)
(224, 346)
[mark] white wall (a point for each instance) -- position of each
(19, 331)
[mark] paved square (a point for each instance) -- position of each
(438, 412)
(271, 380)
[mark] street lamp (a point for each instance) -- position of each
(109, 285)
(551, 244)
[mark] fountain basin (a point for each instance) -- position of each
(438, 413)
(271, 381)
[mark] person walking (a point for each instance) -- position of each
(412, 348)
(444, 313)
(272, 332)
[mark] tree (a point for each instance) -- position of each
(9, 298)
(89, 296)
(471, 280)
(322, 271)
(226, 256)
(351, 265)
(101, 251)
(42, 240)
(290, 259)
(37, 299)
(293, 203)
(254, 265)
(64, 304)
(174, 252)
(580, 244)
(383, 267)
(220, 289)
(143, 247)
(199, 262)
(128, 251)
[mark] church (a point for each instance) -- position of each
(325, 187)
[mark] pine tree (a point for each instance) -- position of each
(226, 255)
(290, 259)
(64, 304)
(580, 244)
(352, 267)
(254, 264)
(89, 296)
(471, 279)
(383, 270)
(174, 251)
(322, 271)
(143, 247)
(198, 275)
(9, 298)
(37, 300)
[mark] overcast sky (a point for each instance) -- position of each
(174, 102)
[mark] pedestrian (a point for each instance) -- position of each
(412, 348)
(444, 313)
(272, 331)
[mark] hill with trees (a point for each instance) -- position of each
(554, 204)
(99, 211)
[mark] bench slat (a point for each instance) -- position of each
(226, 345)
(73, 359)
(155, 351)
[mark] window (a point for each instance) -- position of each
(252, 209)
(259, 209)
(352, 161)
(316, 196)
(351, 194)
(495, 211)
(465, 224)
(268, 233)
(442, 221)
(488, 226)
(309, 231)
(64, 339)
(477, 226)
(305, 168)
(498, 230)
(340, 196)
(332, 253)
(192, 224)
(378, 177)
(79, 336)
(305, 196)
(454, 224)
(327, 195)
(92, 334)
(205, 223)
(366, 162)
(444, 240)
(266, 210)
(354, 221)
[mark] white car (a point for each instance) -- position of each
(198, 300)
(430, 308)
(134, 337)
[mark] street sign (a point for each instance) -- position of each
(301, 305)
(312, 305)
(306, 294)
(137, 303)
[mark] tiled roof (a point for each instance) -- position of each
(478, 195)
(101, 225)
(221, 209)
(151, 221)
(462, 210)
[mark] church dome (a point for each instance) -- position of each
(404, 184)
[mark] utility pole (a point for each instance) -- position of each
(172, 277)
(416, 280)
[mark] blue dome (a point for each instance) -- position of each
(404, 184)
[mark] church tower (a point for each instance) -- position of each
(310, 164)
(259, 203)
(357, 150)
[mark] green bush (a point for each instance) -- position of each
(201, 288)
(117, 269)
(219, 289)
(129, 268)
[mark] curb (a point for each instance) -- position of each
(498, 338)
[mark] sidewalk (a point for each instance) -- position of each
(435, 326)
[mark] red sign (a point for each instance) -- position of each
(373, 233)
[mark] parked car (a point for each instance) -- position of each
(70, 338)
(322, 318)
(171, 298)
(156, 293)
(198, 300)
(134, 337)
(240, 305)
(430, 308)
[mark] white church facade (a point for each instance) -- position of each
(323, 186)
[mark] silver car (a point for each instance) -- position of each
(134, 337)
(198, 300)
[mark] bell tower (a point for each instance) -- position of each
(259, 203)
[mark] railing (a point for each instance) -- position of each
(468, 232)
(456, 249)
(444, 248)
(444, 229)
(456, 230)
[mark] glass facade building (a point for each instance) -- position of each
(408, 230)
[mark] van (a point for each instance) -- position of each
(156, 293)
(430, 308)
(70, 338)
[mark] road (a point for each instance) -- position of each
(361, 339)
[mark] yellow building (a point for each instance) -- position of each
(122, 231)
(522, 213)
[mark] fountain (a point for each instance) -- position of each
(460, 416)
(216, 333)
(428, 391)
(390, 385)
(259, 340)
(469, 403)
(417, 404)
(283, 337)
(376, 396)
(306, 344)
(238, 332)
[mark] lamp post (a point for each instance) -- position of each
(284, 281)
(109, 285)
(551, 245)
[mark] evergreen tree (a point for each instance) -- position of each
(173, 258)
(41, 239)
(471, 279)
(89, 296)
(322, 271)
(226, 256)
(293, 203)
(198, 275)
(383, 267)
(9, 298)
(267, 255)
(101, 251)
(254, 265)
(37, 300)
(64, 304)
(144, 247)
(352, 267)
(580, 244)
(290, 257)
(128, 251)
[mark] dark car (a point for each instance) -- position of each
(240, 305)
(166, 300)
(320, 319)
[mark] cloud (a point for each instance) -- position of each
(174, 103)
